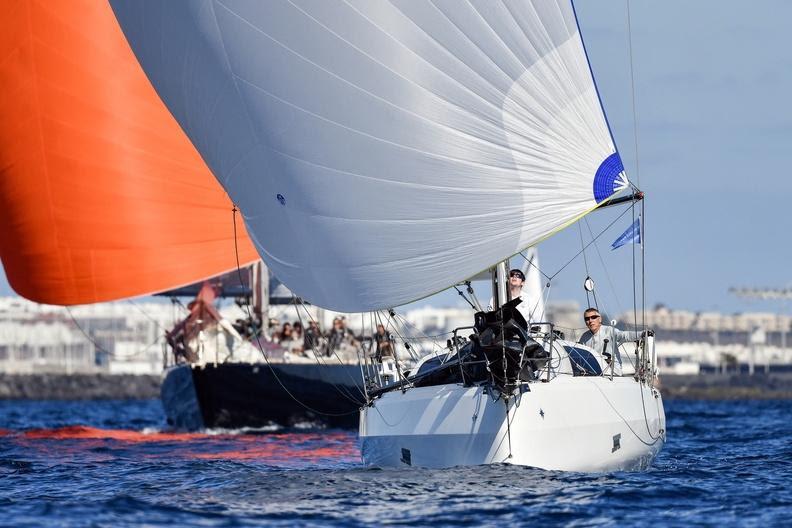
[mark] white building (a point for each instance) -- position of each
(119, 337)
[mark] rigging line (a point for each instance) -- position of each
(592, 241)
(624, 420)
(256, 334)
(399, 370)
(632, 94)
(319, 362)
(407, 346)
(547, 297)
(150, 318)
(596, 301)
(157, 341)
(338, 387)
(605, 268)
(646, 418)
(87, 336)
(641, 232)
(437, 349)
(530, 263)
(463, 296)
(546, 294)
(634, 282)
(508, 426)
(99, 347)
(472, 293)
(585, 261)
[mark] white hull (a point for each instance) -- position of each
(569, 424)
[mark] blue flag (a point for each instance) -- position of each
(631, 236)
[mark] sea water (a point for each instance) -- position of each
(111, 464)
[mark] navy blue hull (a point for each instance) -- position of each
(236, 395)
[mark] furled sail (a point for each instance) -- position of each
(102, 196)
(383, 150)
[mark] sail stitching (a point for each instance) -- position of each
(491, 142)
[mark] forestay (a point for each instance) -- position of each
(382, 151)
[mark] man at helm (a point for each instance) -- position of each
(606, 339)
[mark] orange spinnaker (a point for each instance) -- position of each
(102, 196)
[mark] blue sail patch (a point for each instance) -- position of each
(610, 178)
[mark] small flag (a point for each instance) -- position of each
(631, 236)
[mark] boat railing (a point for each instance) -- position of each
(455, 343)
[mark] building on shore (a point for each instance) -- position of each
(115, 338)
(744, 342)
(128, 337)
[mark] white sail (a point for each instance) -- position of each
(381, 151)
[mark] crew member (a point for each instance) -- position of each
(516, 281)
(598, 333)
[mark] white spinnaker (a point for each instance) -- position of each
(382, 151)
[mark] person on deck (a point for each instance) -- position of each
(516, 281)
(285, 333)
(597, 334)
(312, 336)
(383, 342)
(338, 336)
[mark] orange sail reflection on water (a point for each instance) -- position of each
(282, 449)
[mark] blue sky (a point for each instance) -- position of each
(712, 81)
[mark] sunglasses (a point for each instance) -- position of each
(515, 275)
(591, 318)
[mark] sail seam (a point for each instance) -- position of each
(236, 86)
(492, 142)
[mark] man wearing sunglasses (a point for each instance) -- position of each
(597, 335)
(516, 281)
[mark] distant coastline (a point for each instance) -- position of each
(760, 386)
(141, 387)
(79, 386)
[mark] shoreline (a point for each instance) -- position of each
(100, 386)
(50, 386)
(704, 387)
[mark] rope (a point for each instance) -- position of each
(436, 347)
(635, 293)
(587, 245)
(643, 266)
(644, 442)
(256, 334)
(530, 263)
(339, 388)
(605, 268)
(463, 296)
(99, 347)
(585, 262)
(632, 95)
(472, 294)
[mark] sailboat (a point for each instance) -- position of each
(104, 198)
(230, 374)
(380, 152)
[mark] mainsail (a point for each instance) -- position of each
(101, 195)
(381, 151)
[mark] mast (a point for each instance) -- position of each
(259, 285)
(500, 285)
